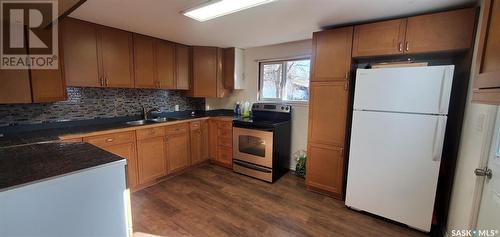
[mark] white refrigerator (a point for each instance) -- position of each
(397, 135)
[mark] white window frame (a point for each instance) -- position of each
(283, 83)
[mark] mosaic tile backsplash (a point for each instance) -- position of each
(91, 103)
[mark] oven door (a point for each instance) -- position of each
(253, 146)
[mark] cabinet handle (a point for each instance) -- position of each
(106, 80)
(400, 46)
(109, 140)
(101, 80)
(346, 75)
(407, 46)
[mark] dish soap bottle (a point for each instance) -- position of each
(246, 109)
(237, 108)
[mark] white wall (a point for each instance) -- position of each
(476, 133)
(251, 82)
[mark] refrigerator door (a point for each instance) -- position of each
(411, 89)
(394, 164)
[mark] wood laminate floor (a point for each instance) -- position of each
(214, 201)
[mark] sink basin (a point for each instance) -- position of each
(161, 120)
(138, 122)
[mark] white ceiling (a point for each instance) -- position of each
(277, 22)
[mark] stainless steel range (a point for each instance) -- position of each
(261, 144)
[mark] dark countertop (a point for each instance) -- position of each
(20, 135)
(22, 165)
(31, 153)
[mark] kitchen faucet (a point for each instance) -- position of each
(145, 113)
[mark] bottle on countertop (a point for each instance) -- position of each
(246, 109)
(237, 108)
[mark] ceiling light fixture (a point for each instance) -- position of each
(217, 8)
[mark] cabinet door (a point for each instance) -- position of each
(325, 169)
(127, 150)
(328, 112)
(204, 140)
(182, 67)
(196, 146)
(151, 159)
(487, 82)
(228, 67)
(212, 141)
(79, 41)
(178, 151)
(447, 31)
(48, 85)
(381, 38)
(144, 66)
(116, 50)
(15, 86)
(205, 71)
(165, 64)
(332, 54)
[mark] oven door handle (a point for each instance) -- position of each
(251, 166)
(253, 127)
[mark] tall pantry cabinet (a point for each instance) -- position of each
(328, 103)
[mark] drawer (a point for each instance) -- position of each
(226, 133)
(177, 129)
(225, 141)
(225, 155)
(110, 139)
(150, 132)
(195, 125)
(225, 124)
(71, 140)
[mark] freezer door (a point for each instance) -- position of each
(394, 164)
(409, 89)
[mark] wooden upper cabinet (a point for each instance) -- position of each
(487, 79)
(325, 169)
(116, 51)
(221, 90)
(165, 64)
(328, 112)
(48, 85)
(446, 31)
(332, 54)
(182, 67)
(144, 65)
(205, 63)
(79, 41)
(15, 87)
(381, 38)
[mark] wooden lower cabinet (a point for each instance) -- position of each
(199, 142)
(178, 151)
(128, 151)
(212, 139)
(325, 169)
(122, 144)
(152, 159)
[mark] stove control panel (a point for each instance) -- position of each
(282, 108)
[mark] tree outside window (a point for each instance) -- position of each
(286, 80)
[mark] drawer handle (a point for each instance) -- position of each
(109, 140)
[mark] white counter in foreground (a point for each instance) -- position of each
(90, 202)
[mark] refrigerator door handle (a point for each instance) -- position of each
(437, 147)
(444, 84)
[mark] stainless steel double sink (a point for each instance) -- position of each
(150, 121)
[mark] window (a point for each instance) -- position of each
(286, 80)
